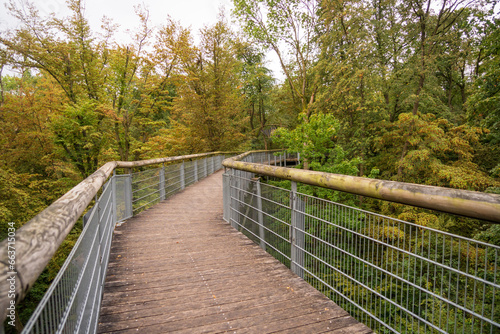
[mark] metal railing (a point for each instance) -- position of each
(151, 186)
(392, 275)
(72, 303)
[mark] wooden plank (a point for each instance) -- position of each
(179, 268)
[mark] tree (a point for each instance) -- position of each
(440, 153)
(209, 105)
(349, 71)
(65, 50)
(291, 23)
(257, 87)
(431, 30)
(316, 142)
(484, 104)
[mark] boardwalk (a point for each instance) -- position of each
(179, 268)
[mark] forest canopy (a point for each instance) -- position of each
(401, 90)
(398, 90)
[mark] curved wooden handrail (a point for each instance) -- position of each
(37, 241)
(466, 203)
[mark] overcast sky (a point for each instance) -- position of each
(194, 13)
(191, 13)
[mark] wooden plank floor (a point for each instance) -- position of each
(179, 268)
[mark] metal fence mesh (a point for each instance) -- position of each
(72, 303)
(392, 275)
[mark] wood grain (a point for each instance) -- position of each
(179, 268)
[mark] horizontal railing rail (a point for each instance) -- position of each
(121, 197)
(471, 204)
(392, 275)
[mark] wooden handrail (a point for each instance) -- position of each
(37, 241)
(466, 203)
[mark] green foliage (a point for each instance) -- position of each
(17, 203)
(484, 103)
(257, 88)
(405, 89)
(491, 235)
(437, 153)
(313, 138)
(78, 131)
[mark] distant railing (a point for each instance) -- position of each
(392, 275)
(72, 303)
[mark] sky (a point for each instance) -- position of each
(191, 13)
(194, 13)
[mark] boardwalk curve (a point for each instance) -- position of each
(179, 268)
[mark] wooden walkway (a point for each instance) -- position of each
(179, 268)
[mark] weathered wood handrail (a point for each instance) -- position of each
(37, 241)
(471, 204)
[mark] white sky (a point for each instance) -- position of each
(191, 13)
(194, 13)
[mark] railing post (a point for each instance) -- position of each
(260, 216)
(128, 196)
(206, 166)
(162, 182)
(234, 192)
(226, 197)
(196, 171)
(284, 159)
(298, 158)
(297, 232)
(183, 181)
(113, 197)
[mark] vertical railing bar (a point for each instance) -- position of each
(442, 278)
(475, 286)
(465, 286)
(449, 284)
(458, 282)
(398, 254)
(161, 184)
(260, 216)
(392, 271)
(484, 288)
(206, 166)
(195, 171)
(493, 294)
(51, 312)
(427, 278)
